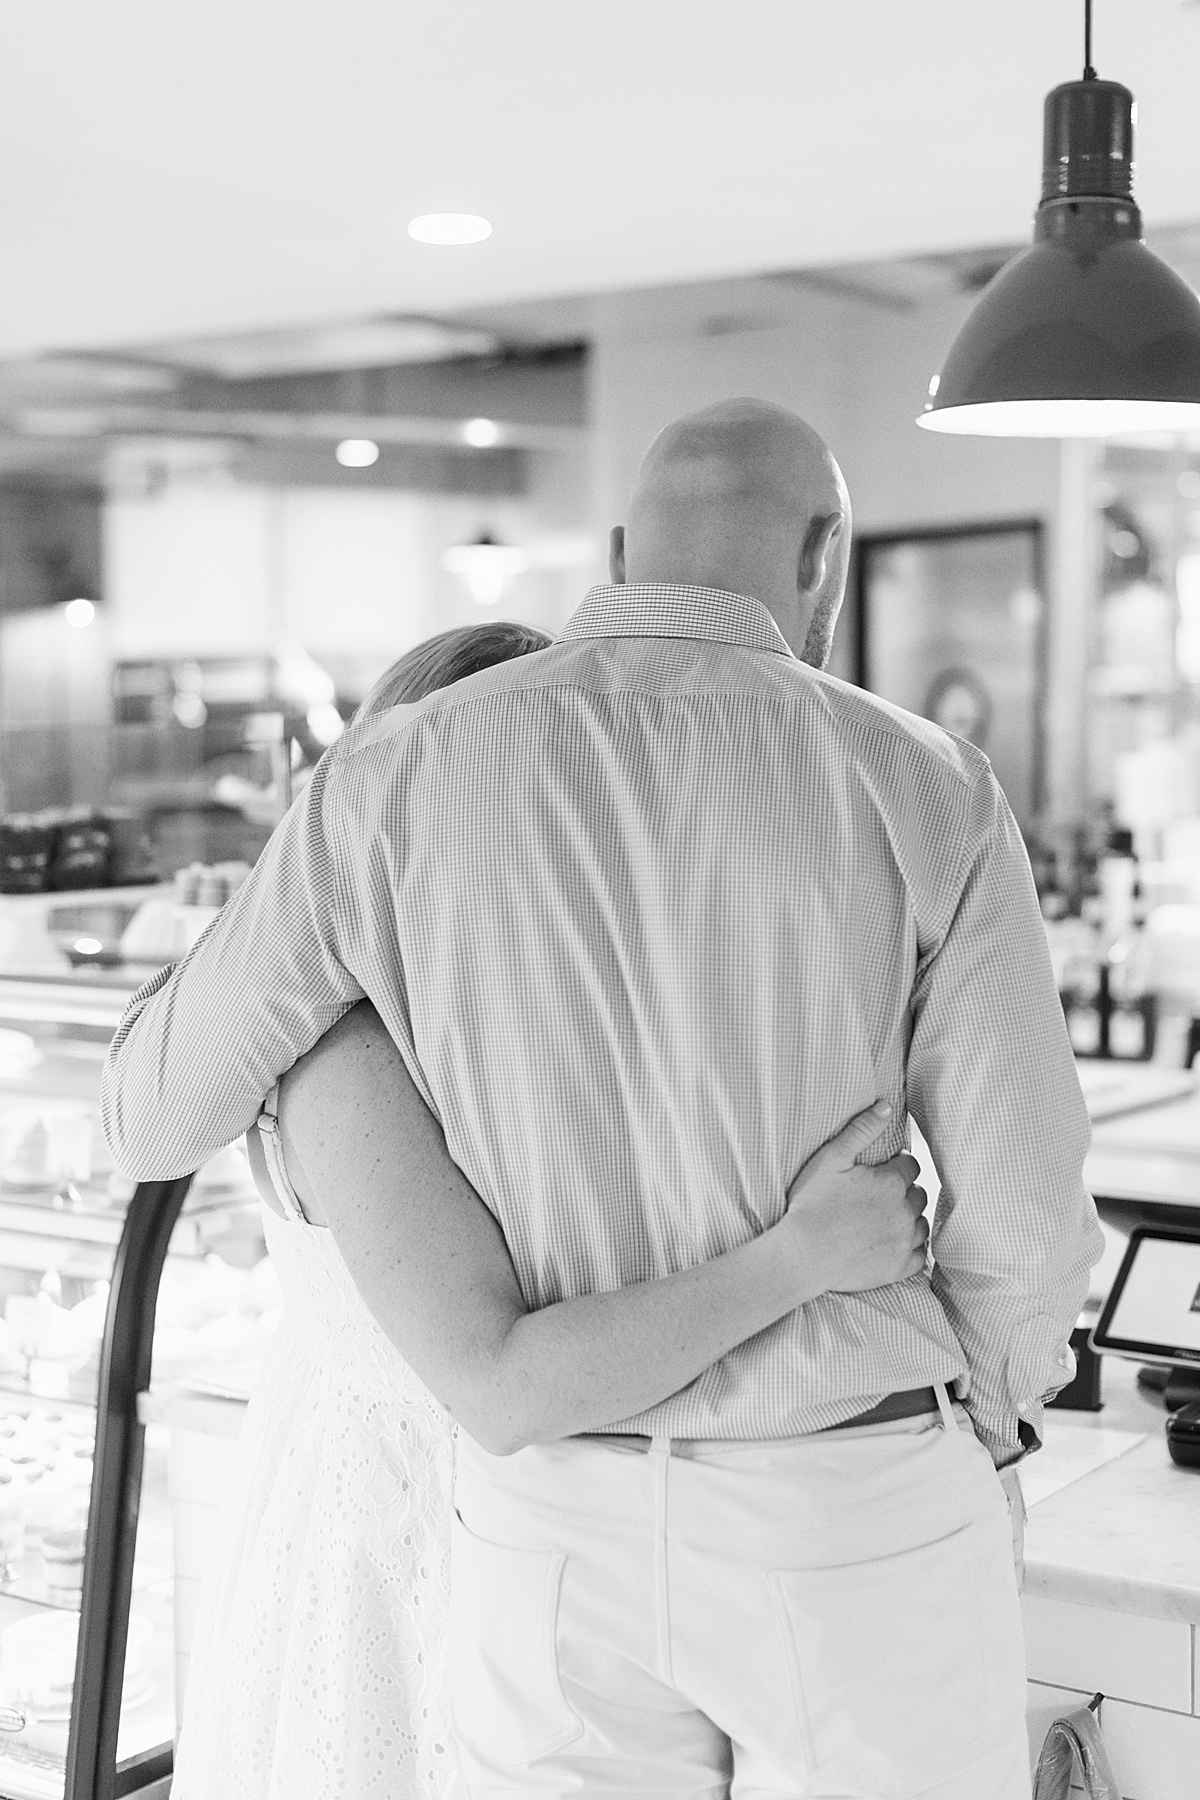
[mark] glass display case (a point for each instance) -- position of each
(63, 1246)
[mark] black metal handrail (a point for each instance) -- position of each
(92, 1772)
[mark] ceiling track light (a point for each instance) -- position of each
(1087, 333)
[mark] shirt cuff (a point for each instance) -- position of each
(997, 1439)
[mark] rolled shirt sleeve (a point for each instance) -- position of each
(201, 1044)
(993, 1087)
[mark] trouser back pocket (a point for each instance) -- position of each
(868, 1644)
(507, 1701)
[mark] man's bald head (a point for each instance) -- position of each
(744, 496)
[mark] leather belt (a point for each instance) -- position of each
(907, 1403)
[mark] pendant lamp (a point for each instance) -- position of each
(487, 566)
(1087, 333)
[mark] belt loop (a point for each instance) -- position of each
(660, 1473)
(942, 1394)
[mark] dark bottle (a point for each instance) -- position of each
(1051, 896)
(1132, 1002)
(1117, 879)
(1084, 991)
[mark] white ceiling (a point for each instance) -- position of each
(193, 166)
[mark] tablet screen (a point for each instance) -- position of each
(1154, 1306)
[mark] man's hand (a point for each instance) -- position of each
(859, 1226)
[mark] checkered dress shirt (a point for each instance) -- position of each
(650, 915)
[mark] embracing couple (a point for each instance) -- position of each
(627, 1433)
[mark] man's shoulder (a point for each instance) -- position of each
(871, 729)
(883, 729)
(389, 734)
(385, 730)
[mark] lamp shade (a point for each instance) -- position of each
(1087, 333)
(487, 566)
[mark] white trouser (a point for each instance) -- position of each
(829, 1615)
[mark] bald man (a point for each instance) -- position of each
(745, 498)
(651, 914)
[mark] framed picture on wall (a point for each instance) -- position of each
(950, 623)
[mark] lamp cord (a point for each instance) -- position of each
(1089, 73)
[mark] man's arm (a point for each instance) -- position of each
(202, 1043)
(992, 1085)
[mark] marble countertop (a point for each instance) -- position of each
(1113, 1522)
(1125, 1534)
(1151, 1153)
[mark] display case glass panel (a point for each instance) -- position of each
(62, 1209)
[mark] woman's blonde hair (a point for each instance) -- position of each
(447, 658)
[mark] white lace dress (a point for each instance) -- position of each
(317, 1670)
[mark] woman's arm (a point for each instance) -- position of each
(431, 1262)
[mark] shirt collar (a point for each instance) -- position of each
(664, 609)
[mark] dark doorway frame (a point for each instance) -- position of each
(1034, 529)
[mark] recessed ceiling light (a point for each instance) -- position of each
(449, 228)
(79, 613)
(481, 433)
(357, 453)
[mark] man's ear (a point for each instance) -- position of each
(616, 555)
(822, 534)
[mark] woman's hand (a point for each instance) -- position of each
(857, 1225)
